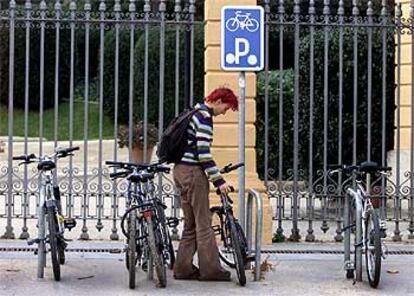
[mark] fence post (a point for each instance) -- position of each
(9, 228)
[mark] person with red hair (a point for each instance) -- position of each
(192, 175)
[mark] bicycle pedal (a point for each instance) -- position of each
(358, 245)
(250, 258)
(216, 229)
(69, 223)
(172, 222)
(347, 227)
(62, 243)
(33, 241)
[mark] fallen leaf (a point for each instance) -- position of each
(393, 271)
(265, 266)
(86, 277)
(13, 270)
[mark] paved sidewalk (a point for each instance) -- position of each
(295, 273)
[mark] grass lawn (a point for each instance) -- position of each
(63, 130)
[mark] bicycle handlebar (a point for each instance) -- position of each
(119, 174)
(152, 167)
(63, 152)
(59, 152)
(25, 158)
(230, 167)
(365, 167)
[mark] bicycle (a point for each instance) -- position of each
(147, 232)
(369, 230)
(233, 250)
(50, 211)
(244, 21)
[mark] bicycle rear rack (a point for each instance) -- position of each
(253, 193)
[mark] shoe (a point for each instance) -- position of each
(194, 275)
(223, 276)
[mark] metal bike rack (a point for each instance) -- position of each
(253, 193)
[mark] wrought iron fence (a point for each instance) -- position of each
(127, 58)
(333, 79)
(326, 96)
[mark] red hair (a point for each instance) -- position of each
(226, 95)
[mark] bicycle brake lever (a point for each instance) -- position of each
(25, 162)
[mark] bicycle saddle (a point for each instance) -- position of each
(372, 167)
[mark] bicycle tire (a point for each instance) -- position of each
(237, 252)
(166, 238)
(132, 246)
(232, 24)
(51, 219)
(253, 27)
(225, 253)
(373, 248)
(156, 253)
(61, 254)
(242, 240)
(171, 253)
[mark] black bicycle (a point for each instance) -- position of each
(144, 223)
(51, 223)
(232, 246)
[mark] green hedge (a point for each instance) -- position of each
(34, 74)
(333, 103)
(287, 136)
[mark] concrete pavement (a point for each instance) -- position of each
(92, 269)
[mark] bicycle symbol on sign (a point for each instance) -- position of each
(243, 21)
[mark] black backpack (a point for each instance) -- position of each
(174, 139)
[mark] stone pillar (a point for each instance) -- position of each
(405, 89)
(226, 128)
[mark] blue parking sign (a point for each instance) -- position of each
(242, 34)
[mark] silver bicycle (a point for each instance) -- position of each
(51, 223)
(369, 229)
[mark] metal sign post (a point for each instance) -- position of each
(242, 142)
(242, 49)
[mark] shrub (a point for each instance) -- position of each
(274, 99)
(34, 74)
(333, 104)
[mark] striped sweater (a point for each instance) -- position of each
(200, 137)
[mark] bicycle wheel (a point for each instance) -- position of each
(51, 219)
(373, 251)
(252, 25)
(223, 245)
(156, 252)
(132, 246)
(232, 24)
(168, 247)
(237, 251)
